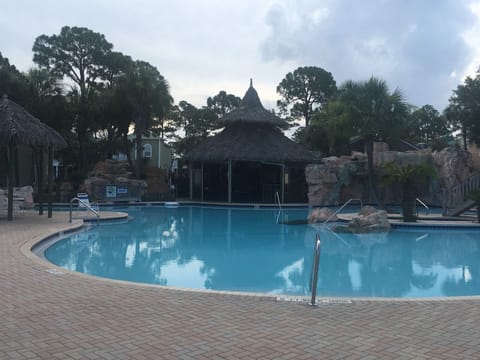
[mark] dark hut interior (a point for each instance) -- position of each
(250, 160)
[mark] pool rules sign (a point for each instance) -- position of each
(111, 191)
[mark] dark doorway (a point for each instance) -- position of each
(295, 185)
(215, 182)
(255, 182)
(196, 184)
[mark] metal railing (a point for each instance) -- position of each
(279, 203)
(86, 205)
(341, 208)
(456, 195)
(427, 209)
(314, 275)
(277, 200)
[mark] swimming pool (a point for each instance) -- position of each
(245, 249)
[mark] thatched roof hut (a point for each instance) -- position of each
(251, 148)
(18, 126)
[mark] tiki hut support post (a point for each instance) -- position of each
(229, 175)
(190, 182)
(11, 179)
(201, 191)
(40, 180)
(50, 180)
(282, 184)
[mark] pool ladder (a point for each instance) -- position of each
(87, 206)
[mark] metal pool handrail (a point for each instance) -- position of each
(316, 261)
(277, 200)
(341, 208)
(97, 214)
(424, 205)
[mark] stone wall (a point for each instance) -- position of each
(337, 179)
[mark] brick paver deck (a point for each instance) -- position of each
(51, 314)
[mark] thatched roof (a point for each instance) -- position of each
(251, 110)
(251, 134)
(249, 142)
(18, 126)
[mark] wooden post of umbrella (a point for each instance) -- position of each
(50, 180)
(40, 180)
(11, 179)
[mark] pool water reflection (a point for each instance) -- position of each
(239, 249)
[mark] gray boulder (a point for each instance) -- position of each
(321, 215)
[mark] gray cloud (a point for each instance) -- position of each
(414, 45)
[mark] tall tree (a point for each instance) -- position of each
(304, 91)
(223, 103)
(114, 117)
(326, 133)
(149, 99)
(48, 102)
(373, 113)
(196, 124)
(13, 83)
(79, 55)
(427, 125)
(463, 110)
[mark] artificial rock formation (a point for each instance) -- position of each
(112, 172)
(454, 166)
(335, 179)
(338, 179)
(368, 219)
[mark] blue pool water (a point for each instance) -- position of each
(244, 249)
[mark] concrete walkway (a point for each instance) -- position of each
(50, 313)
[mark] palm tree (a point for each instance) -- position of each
(372, 113)
(410, 177)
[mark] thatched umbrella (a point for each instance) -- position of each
(18, 126)
(252, 134)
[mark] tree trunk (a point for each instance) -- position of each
(127, 151)
(82, 155)
(138, 142)
(371, 182)
(408, 203)
(464, 137)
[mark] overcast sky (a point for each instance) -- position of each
(423, 47)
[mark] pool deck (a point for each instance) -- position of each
(50, 313)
